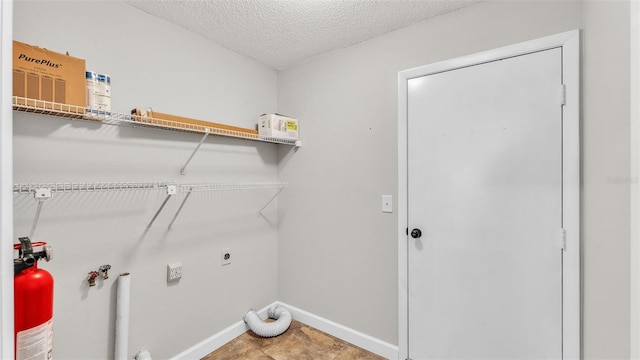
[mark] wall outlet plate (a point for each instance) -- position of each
(387, 203)
(174, 271)
(226, 257)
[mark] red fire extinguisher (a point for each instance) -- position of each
(33, 302)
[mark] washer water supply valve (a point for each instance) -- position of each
(104, 269)
(92, 277)
(27, 257)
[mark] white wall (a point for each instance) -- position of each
(338, 252)
(6, 176)
(606, 179)
(634, 252)
(152, 64)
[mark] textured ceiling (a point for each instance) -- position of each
(281, 33)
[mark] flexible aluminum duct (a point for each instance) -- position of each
(269, 329)
(143, 355)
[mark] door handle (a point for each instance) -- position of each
(416, 233)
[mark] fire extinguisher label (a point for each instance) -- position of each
(35, 343)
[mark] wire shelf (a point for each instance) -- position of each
(232, 186)
(43, 191)
(31, 188)
(113, 118)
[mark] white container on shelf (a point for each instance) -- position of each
(278, 126)
(98, 96)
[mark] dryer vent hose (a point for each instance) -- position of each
(269, 329)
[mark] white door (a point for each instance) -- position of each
(485, 190)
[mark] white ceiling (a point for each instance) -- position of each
(281, 33)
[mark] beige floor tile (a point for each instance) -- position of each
(354, 353)
(299, 342)
(238, 349)
(304, 345)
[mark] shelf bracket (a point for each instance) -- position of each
(171, 190)
(179, 209)
(270, 201)
(184, 168)
(41, 195)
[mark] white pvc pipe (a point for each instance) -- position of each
(269, 329)
(122, 316)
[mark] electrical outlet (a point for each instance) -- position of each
(226, 257)
(174, 271)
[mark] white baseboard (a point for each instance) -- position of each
(342, 332)
(217, 340)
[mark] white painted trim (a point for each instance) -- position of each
(205, 347)
(570, 43)
(526, 47)
(403, 216)
(6, 180)
(634, 311)
(354, 337)
(571, 286)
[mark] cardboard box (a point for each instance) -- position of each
(41, 74)
(278, 126)
(173, 121)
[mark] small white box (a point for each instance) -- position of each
(278, 126)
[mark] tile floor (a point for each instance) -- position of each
(300, 342)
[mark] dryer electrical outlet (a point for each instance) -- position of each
(226, 257)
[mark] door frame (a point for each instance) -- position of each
(6, 181)
(571, 305)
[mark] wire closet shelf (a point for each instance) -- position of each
(44, 191)
(113, 118)
(31, 188)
